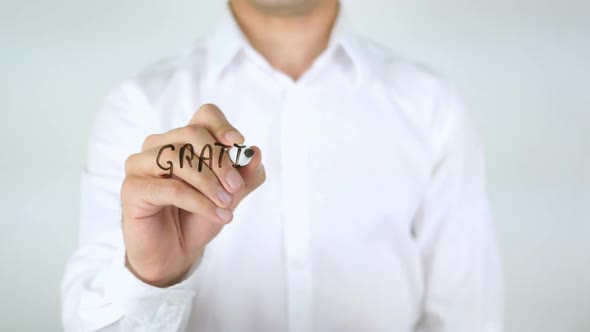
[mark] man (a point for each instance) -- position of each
(363, 208)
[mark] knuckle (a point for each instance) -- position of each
(124, 188)
(149, 141)
(129, 162)
(127, 186)
(206, 111)
(154, 152)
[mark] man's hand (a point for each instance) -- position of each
(167, 222)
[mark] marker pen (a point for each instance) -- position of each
(241, 157)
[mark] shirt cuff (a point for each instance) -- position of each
(146, 304)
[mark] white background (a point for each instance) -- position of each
(523, 67)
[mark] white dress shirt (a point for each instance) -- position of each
(374, 215)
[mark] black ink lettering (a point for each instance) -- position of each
(170, 164)
(206, 147)
(236, 163)
(188, 159)
(221, 152)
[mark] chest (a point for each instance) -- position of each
(355, 150)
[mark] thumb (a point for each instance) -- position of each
(253, 174)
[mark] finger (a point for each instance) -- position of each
(254, 175)
(212, 118)
(143, 197)
(198, 137)
(205, 181)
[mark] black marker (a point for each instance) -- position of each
(240, 156)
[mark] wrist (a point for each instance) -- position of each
(161, 279)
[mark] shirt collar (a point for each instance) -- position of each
(227, 41)
(224, 44)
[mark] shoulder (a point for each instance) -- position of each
(423, 95)
(157, 92)
(156, 80)
(397, 72)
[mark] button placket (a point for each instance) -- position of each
(296, 217)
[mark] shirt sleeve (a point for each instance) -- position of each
(454, 229)
(98, 292)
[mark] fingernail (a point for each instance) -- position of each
(224, 196)
(234, 179)
(234, 137)
(224, 214)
